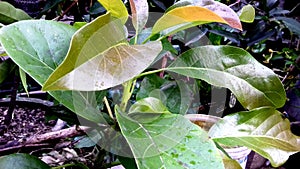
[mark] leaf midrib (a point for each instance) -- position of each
(218, 71)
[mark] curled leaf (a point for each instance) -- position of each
(116, 8)
(263, 130)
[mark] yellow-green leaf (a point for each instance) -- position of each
(116, 8)
(87, 42)
(106, 69)
(224, 11)
(263, 130)
(24, 80)
(247, 14)
(184, 17)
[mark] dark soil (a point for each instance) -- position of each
(26, 122)
(32, 120)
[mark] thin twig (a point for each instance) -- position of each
(238, 1)
(66, 11)
(108, 107)
(292, 10)
(293, 70)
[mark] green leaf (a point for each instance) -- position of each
(127, 162)
(50, 4)
(24, 80)
(140, 12)
(149, 84)
(22, 161)
(78, 25)
(10, 14)
(141, 37)
(169, 141)
(6, 68)
(263, 130)
(230, 163)
(99, 60)
(97, 9)
(253, 84)
(291, 23)
(147, 109)
(38, 46)
(247, 14)
(148, 105)
(116, 8)
(168, 47)
(175, 95)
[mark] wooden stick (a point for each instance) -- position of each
(64, 133)
(44, 139)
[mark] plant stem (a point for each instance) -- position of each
(136, 38)
(126, 94)
(66, 11)
(12, 103)
(108, 107)
(129, 88)
(63, 166)
(149, 72)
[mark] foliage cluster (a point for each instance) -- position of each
(143, 119)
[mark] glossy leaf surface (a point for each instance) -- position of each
(253, 84)
(89, 41)
(22, 161)
(186, 14)
(116, 8)
(169, 141)
(263, 130)
(184, 17)
(10, 14)
(98, 59)
(110, 68)
(219, 8)
(140, 12)
(38, 47)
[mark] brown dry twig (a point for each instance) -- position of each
(44, 139)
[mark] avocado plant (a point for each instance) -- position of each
(79, 66)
